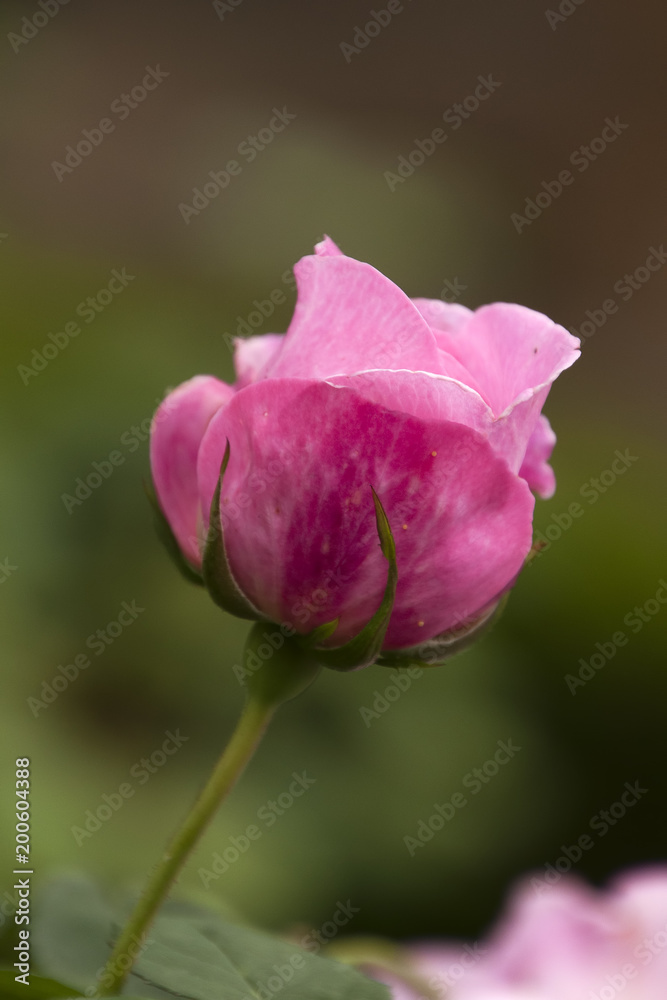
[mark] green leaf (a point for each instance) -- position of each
(191, 952)
(182, 961)
(218, 578)
(38, 988)
(210, 959)
(365, 647)
(72, 931)
(168, 539)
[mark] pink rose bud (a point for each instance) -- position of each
(379, 460)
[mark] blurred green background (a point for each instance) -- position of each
(67, 572)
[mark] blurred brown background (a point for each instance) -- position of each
(561, 76)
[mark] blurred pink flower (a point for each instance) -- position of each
(435, 407)
(565, 942)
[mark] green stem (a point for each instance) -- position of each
(245, 739)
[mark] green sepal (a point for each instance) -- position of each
(437, 651)
(536, 549)
(365, 647)
(168, 539)
(319, 634)
(218, 579)
(288, 671)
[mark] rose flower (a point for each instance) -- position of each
(372, 406)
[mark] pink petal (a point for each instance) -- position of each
(510, 355)
(176, 433)
(446, 967)
(445, 317)
(640, 899)
(253, 354)
(298, 514)
(327, 248)
(535, 468)
(438, 397)
(428, 397)
(511, 351)
(641, 896)
(350, 318)
(561, 942)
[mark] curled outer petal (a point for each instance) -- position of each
(304, 453)
(176, 434)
